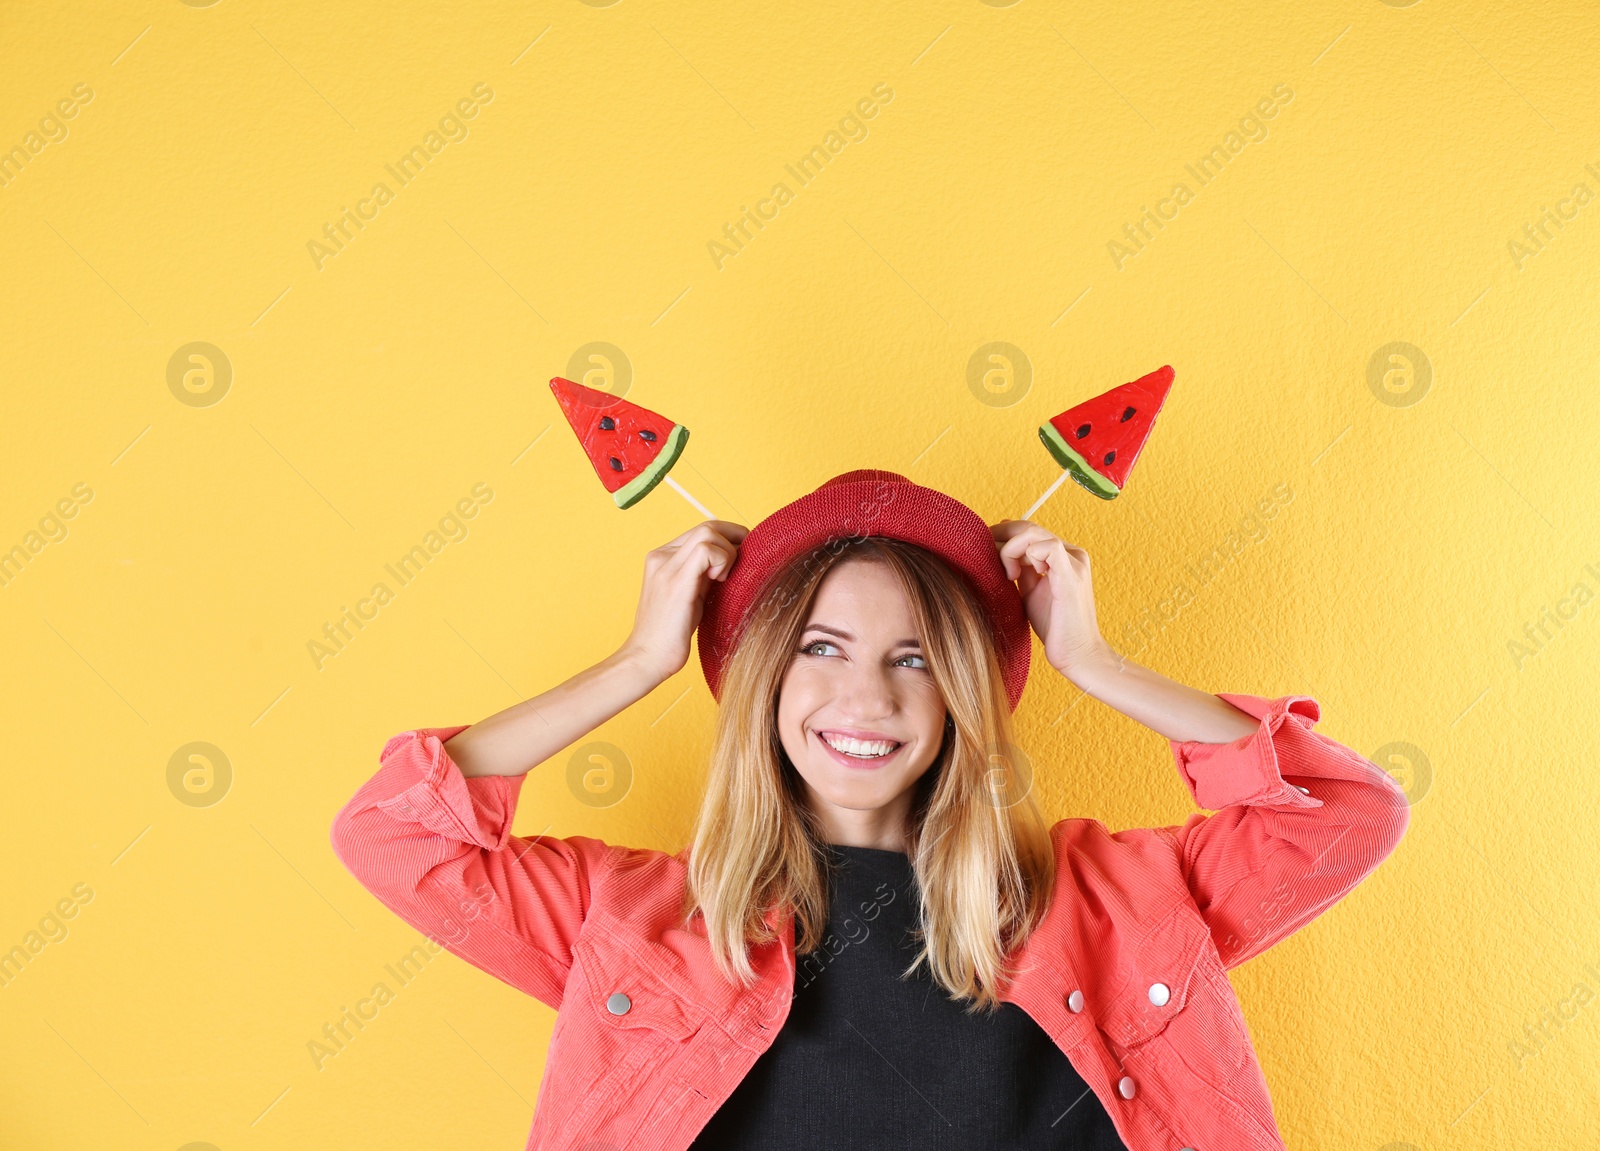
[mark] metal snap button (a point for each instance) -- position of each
(1159, 994)
(1075, 1002)
(1303, 790)
(618, 1003)
(1125, 1088)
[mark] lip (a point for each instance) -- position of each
(859, 733)
(858, 764)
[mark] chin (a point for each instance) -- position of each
(857, 799)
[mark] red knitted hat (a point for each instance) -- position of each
(863, 503)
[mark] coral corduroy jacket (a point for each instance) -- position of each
(1127, 972)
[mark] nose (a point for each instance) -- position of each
(870, 691)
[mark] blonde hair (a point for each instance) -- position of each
(980, 848)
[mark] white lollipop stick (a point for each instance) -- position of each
(1050, 491)
(700, 507)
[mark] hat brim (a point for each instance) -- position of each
(862, 503)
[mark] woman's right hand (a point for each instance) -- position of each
(676, 577)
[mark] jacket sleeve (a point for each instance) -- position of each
(1299, 821)
(435, 847)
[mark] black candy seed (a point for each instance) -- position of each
(647, 435)
(1109, 457)
(1127, 414)
(607, 423)
(616, 464)
(1083, 431)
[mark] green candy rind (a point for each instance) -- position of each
(1079, 467)
(640, 486)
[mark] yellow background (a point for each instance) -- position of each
(1426, 530)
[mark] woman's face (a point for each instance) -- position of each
(859, 674)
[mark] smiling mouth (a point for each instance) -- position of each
(858, 758)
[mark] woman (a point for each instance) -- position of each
(874, 940)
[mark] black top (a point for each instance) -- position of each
(868, 1060)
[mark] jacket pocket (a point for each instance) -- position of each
(619, 1046)
(627, 998)
(1199, 1026)
(1165, 971)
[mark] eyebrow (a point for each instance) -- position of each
(848, 638)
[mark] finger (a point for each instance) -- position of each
(1045, 533)
(1041, 554)
(710, 557)
(658, 559)
(1013, 552)
(1058, 549)
(1044, 552)
(704, 530)
(1008, 561)
(1019, 543)
(1010, 540)
(1009, 529)
(1027, 580)
(728, 539)
(728, 529)
(715, 529)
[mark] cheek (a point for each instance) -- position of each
(805, 691)
(926, 708)
(798, 699)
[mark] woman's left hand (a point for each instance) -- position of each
(1057, 592)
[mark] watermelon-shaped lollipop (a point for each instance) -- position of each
(630, 447)
(1098, 441)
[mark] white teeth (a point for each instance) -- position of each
(861, 749)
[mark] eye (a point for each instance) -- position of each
(923, 665)
(814, 643)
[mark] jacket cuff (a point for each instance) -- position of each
(437, 796)
(1245, 771)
